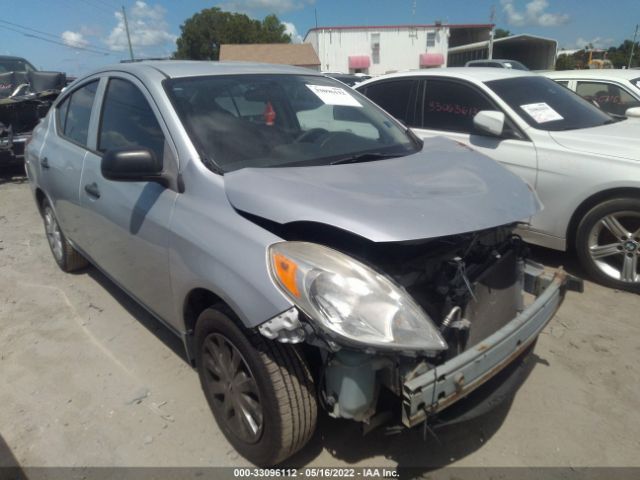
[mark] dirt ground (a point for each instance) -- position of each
(88, 378)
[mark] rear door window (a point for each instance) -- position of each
(74, 113)
(451, 106)
(396, 96)
(127, 120)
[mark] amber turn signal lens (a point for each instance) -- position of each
(286, 271)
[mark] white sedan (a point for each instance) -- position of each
(614, 91)
(583, 163)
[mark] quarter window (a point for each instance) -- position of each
(395, 97)
(74, 112)
(451, 106)
(609, 97)
(128, 120)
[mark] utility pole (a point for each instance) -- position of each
(126, 27)
(492, 32)
(633, 44)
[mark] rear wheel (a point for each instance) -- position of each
(260, 392)
(67, 257)
(608, 243)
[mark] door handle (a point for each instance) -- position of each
(44, 163)
(92, 189)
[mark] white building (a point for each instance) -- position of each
(390, 48)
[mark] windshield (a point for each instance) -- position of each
(545, 105)
(15, 65)
(636, 82)
(238, 121)
(515, 65)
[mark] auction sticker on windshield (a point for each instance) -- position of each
(334, 96)
(541, 112)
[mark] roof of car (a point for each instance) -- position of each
(192, 68)
(479, 74)
(612, 73)
(10, 57)
(496, 60)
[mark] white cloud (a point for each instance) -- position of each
(147, 27)
(269, 6)
(291, 30)
(73, 39)
(534, 14)
(597, 42)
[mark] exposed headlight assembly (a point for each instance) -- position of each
(350, 300)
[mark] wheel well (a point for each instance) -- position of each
(591, 202)
(197, 301)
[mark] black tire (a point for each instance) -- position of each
(285, 388)
(596, 229)
(67, 257)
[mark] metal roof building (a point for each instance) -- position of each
(537, 53)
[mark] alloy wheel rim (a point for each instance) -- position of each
(614, 245)
(54, 236)
(233, 388)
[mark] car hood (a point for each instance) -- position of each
(619, 139)
(445, 189)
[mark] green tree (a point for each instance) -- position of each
(272, 31)
(203, 33)
(565, 62)
(501, 33)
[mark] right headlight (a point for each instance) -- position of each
(350, 300)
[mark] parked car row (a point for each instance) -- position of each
(309, 249)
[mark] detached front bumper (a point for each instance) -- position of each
(446, 384)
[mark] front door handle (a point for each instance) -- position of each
(44, 163)
(92, 189)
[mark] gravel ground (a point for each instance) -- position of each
(88, 378)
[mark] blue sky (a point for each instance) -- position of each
(96, 25)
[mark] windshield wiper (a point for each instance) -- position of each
(364, 157)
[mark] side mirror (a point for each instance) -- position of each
(132, 164)
(490, 122)
(633, 112)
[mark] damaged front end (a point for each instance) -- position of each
(406, 329)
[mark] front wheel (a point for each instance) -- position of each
(608, 243)
(260, 392)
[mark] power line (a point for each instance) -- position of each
(31, 35)
(57, 37)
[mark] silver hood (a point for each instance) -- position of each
(445, 189)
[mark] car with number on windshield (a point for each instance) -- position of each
(615, 91)
(309, 250)
(583, 163)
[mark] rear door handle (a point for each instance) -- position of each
(92, 189)
(44, 163)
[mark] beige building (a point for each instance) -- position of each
(300, 55)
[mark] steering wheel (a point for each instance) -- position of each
(311, 136)
(337, 137)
